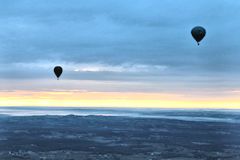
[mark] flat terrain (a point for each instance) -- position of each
(115, 138)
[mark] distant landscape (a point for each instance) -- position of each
(104, 135)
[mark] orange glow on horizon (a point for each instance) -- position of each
(112, 99)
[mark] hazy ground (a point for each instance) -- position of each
(117, 138)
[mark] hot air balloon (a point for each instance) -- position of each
(198, 33)
(58, 71)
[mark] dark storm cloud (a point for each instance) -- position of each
(112, 32)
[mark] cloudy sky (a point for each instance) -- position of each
(136, 53)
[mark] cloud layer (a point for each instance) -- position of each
(138, 40)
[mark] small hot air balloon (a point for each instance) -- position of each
(58, 71)
(198, 33)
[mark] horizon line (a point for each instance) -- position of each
(114, 107)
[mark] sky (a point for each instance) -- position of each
(137, 53)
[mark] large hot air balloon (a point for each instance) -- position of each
(58, 71)
(198, 33)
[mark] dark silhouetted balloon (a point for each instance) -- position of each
(58, 71)
(198, 33)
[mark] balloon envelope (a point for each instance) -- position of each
(58, 71)
(198, 33)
